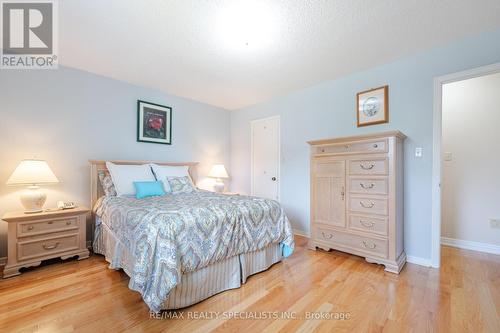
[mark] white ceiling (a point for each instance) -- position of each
(197, 48)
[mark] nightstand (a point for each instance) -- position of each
(46, 235)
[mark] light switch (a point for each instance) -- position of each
(448, 156)
(419, 151)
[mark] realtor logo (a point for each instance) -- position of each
(29, 34)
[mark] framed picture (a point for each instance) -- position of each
(154, 123)
(373, 106)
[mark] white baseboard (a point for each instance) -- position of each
(418, 261)
(301, 233)
(3, 261)
(470, 245)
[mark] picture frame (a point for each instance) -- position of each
(154, 123)
(372, 106)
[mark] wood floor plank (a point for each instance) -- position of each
(86, 296)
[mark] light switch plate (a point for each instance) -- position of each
(495, 223)
(419, 152)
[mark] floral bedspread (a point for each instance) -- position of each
(181, 233)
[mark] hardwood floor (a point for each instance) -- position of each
(463, 296)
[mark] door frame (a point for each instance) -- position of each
(437, 149)
(252, 149)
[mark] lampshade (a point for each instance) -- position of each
(218, 171)
(32, 172)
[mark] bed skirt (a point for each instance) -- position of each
(198, 285)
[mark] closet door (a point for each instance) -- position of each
(329, 192)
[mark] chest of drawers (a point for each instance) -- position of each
(357, 197)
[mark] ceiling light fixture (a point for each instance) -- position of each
(243, 25)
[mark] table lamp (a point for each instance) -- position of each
(32, 173)
(218, 171)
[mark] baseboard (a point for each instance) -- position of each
(470, 245)
(3, 261)
(418, 261)
(301, 233)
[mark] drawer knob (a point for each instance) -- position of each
(347, 146)
(322, 150)
(367, 224)
(326, 236)
(68, 222)
(375, 145)
(370, 205)
(50, 222)
(31, 227)
(369, 246)
(364, 167)
(50, 247)
(367, 187)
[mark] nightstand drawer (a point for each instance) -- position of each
(44, 247)
(25, 229)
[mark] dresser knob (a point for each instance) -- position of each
(50, 247)
(364, 167)
(326, 236)
(367, 224)
(31, 227)
(369, 246)
(375, 145)
(367, 206)
(367, 187)
(68, 222)
(50, 222)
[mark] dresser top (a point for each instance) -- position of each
(22, 216)
(361, 137)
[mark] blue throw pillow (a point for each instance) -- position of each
(148, 189)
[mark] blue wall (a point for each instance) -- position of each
(328, 110)
(68, 116)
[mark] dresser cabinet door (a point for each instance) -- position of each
(329, 192)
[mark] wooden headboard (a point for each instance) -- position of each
(97, 166)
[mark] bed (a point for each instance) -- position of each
(180, 249)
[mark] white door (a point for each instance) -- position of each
(265, 157)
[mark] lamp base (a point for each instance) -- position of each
(33, 199)
(219, 186)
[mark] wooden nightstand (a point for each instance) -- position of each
(40, 236)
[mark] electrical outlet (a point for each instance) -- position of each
(495, 223)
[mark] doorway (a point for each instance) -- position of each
(265, 158)
(439, 154)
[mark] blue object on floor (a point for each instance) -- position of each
(286, 250)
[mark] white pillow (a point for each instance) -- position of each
(162, 172)
(124, 176)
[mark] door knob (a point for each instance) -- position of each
(273, 179)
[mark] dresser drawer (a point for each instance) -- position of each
(379, 146)
(373, 225)
(368, 186)
(45, 247)
(25, 229)
(368, 205)
(368, 245)
(369, 166)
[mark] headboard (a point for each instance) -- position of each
(97, 166)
